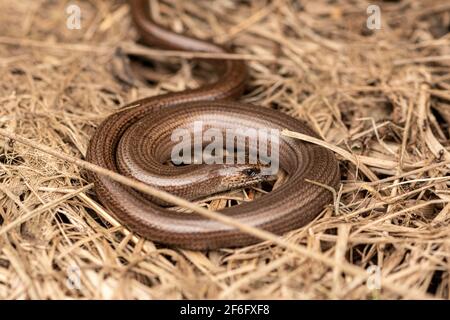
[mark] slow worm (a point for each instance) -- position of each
(137, 142)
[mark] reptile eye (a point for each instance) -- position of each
(251, 172)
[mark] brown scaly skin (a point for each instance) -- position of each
(136, 141)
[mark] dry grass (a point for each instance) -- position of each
(380, 99)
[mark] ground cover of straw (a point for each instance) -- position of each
(380, 99)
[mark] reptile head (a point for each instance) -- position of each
(240, 176)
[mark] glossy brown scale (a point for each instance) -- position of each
(136, 142)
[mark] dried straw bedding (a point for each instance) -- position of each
(379, 98)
